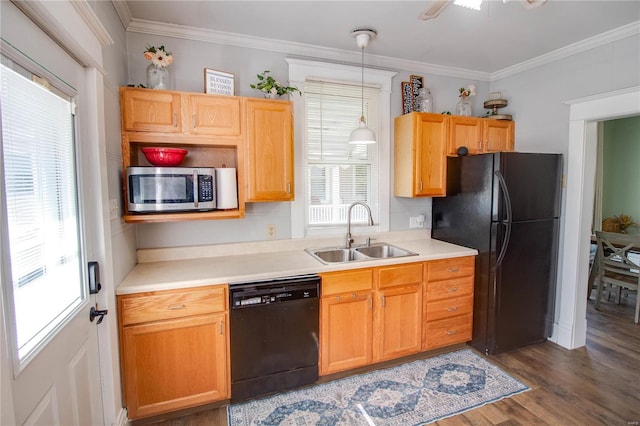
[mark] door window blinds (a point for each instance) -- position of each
(39, 177)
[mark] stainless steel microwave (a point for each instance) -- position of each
(169, 189)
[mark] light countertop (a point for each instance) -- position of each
(182, 267)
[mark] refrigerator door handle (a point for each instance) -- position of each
(507, 222)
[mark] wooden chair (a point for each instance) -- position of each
(615, 268)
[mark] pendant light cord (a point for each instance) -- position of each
(362, 96)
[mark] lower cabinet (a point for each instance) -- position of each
(369, 315)
(174, 349)
(448, 302)
(346, 320)
(377, 314)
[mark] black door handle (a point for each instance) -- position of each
(96, 313)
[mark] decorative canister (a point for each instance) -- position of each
(424, 100)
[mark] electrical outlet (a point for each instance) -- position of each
(416, 221)
(114, 209)
(271, 231)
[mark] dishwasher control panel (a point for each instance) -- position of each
(256, 294)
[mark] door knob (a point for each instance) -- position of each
(97, 313)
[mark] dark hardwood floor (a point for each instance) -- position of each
(598, 384)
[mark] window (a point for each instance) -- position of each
(39, 182)
(331, 173)
(339, 173)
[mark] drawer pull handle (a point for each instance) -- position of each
(221, 328)
(452, 332)
(175, 307)
(193, 121)
(452, 309)
(453, 289)
(175, 119)
(353, 295)
(454, 269)
(338, 298)
(383, 301)
(370, 303)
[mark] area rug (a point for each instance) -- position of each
(415, 393)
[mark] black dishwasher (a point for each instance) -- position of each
(273, 335)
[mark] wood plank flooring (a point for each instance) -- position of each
(598, 384)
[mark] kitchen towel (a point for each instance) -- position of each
(226, 188)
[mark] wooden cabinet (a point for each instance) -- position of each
(215, 115)
(369, 315)
(346, 320)
(480, 135)
(420, 143)
(398, 311)
(269, 160)
(448, 302)
(150, 111)
(173, 349)
(254, 136)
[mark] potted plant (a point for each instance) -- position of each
(618, 224)
(271, 87)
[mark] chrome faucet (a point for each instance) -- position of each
(349, 240)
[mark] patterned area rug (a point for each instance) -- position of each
(416, 393)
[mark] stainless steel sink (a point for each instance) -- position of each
(380, 251)
(329, 255)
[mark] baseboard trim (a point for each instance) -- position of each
(122, 419)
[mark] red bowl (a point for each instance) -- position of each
(169, 157)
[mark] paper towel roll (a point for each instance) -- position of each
(226, 189)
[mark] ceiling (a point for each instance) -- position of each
(499, 36)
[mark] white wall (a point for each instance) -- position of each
(190, 59)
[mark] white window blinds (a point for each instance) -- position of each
(42, 207)
(339, 173)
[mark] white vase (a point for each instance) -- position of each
(157, 77)
(463, 107)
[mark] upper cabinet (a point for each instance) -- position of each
(269, 160)
(423, 140)
(215, 115)
(480, 135)
(150, 111)
(254, 136)
(420, 155)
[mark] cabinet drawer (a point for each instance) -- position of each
(447, 332)
(446, 269)
(399, 275)
(449, 288)
(447, 308)
(176, 304)
(346, 282)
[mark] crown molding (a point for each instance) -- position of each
(616, 34)
(123, 11)
(93, 22)
(338, 55)
(296, 49)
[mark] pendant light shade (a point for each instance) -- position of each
(363, 134)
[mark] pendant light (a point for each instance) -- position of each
(363, 134)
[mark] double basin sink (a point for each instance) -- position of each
(375, 251)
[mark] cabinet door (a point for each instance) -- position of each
(215, 115)
(398, 322)
(420, 155)
(175, 364)
(467, 132)
(345, 332)
(269, 150)
(145, 110)
(498, 135)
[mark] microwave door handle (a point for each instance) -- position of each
(195, 189)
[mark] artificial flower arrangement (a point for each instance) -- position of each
(158, 56)
(467, 91)
(618, 223)
(270, 85)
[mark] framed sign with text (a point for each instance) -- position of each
(218, 82)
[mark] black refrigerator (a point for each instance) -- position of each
(507, 206)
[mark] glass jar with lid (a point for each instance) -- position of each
(424, 101)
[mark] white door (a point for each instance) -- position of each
(46, 244)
